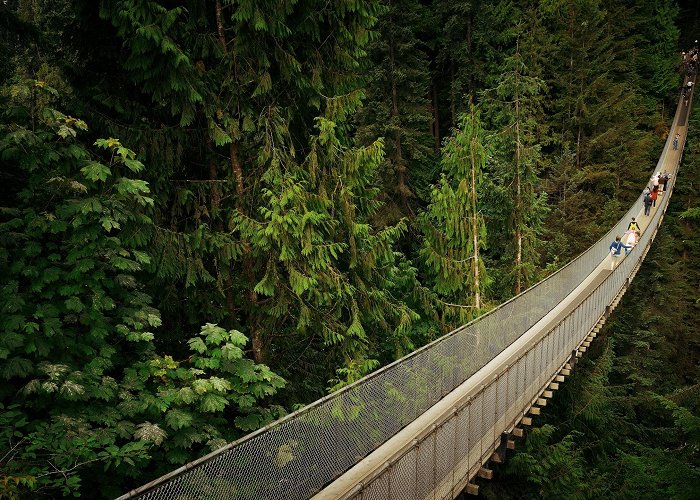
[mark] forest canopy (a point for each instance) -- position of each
(215, 212)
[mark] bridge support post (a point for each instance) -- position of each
(499, 456)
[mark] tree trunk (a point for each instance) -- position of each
(436, 119)
(578, 149)
(399, 162)
(475, 231)
(518, 194)
(255, 332)
(220, 25)
(214, 209)
(453, 97)
(237, 171)
(470, 81)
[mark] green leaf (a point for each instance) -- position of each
(177, 419)
(74, 304)
(212, 403)
(249, 422)
(96, 171)
(197, 344)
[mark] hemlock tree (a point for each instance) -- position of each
(397, 106)
(259, 73)
(452, 224)
(515, 108)
(329, 275)
(596, 114)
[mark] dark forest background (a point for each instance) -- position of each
(215, 212)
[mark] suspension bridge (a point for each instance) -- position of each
(425, 426)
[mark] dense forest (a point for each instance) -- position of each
(214, 212)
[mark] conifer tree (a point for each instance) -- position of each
(453, 226)
(397, 105)
(328, 272)
(515, 107)
(596, 114)
(259, 74)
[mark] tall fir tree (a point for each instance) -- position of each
(515, 106)
(397, 106)
(453, 226)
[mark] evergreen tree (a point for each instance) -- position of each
(515, 105)
(329, 272)
(397, 106)
(453, 226)
(596, 115)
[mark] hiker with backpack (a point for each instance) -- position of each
(633, 226)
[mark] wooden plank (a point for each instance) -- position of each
(485, 473)
(534, 410)
(583, 348)
(496, 458)
(518, 432)
(579, 354)
(565, 371)
(547, 394)
(472, 489)
(586, 343)
(568, 366)
(511, 444)
(559, 378)
(526, 421)
(554, 385)
(541, 402)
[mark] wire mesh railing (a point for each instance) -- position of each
(298, 455)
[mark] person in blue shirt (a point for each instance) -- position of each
(616, 250)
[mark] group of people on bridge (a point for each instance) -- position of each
(632, 236)
(657, 186)
(690, 60)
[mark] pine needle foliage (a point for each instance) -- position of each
(515, 108)
(328, 271)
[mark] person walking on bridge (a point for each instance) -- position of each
(675, 140)
(616, 251)
(664, 180)
(647, 202)
(633, 226)
(654, 195)
(632, 237)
